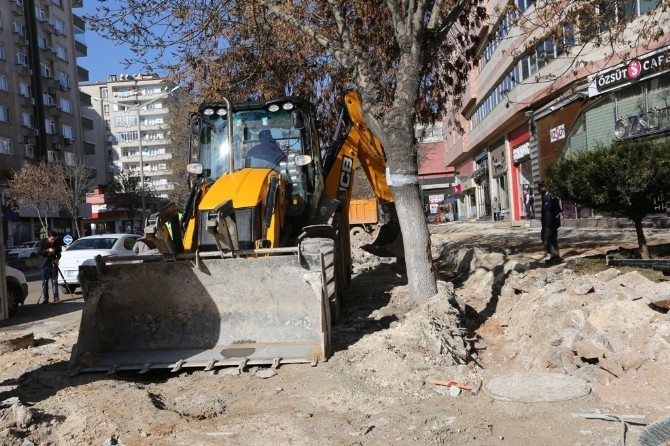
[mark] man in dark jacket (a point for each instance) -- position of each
(551, 215)
(50, 250)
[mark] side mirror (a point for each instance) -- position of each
(297, 120)
(195, 125)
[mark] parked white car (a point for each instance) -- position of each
(24, 250)
(86, 249)
(17, 289)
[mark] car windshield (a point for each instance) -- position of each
(93, 243)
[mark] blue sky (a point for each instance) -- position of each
(104, 57)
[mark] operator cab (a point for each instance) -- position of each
(278, 135)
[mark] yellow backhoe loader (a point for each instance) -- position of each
(253, 271)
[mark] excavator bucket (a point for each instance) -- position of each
(224, 312)
(389, 241)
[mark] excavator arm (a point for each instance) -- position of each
(356, 142)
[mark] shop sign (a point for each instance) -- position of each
(641, 124)
(557, 133)
(437, 199)
(521, 152)
(647, 65)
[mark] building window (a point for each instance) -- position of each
(125, 121)
(104, 93)
(69, 158)
(4, 114)
(45, 71)
(24, 90)
(40, 14)
(65, 105)
(50, 127)
(153, 106)
(431, 133)
(59, 25)
(27, 120)
(61, 52)
(610, 13)
(48, 99)
(5, 145)
(42, 42)
(127, 136)
(57, 2)
(18, 28)
(68, 132)
(2, 52)
(3, 82)
(524, 4)
(63, 80)
(21, 58)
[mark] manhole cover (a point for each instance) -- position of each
(536, 387)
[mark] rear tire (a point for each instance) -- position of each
(12, 300)
(356, 232)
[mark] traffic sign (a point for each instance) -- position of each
(67, 239)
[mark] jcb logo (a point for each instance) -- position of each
(346, 174)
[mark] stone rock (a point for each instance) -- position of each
(13, 341)
(265, 373)
(608, 274)
(611, 365)
(562, 358)
(582, 289)
(630, 360)
(585, 372)
(587, 350)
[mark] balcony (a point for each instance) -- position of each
(47, 54)
(80, 49)
(82, 74)
(17, 8)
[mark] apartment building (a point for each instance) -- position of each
(526, 106)
(39, 99)
(129, 114)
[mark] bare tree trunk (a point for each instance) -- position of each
(416, 242)
(641, 240)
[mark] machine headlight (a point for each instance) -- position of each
(273, 107)
(222, 112)
(208, 112)
(287, 106)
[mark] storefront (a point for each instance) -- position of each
(521, 175)
(499, 185)
(481, 206)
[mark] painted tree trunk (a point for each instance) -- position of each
(416, 240)
(641, 239)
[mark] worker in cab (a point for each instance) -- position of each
(266, 153)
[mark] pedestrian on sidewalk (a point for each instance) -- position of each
(529, 201)
(497, 209)
(50, 250)
(550, 215)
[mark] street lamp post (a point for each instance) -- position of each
(137, 107)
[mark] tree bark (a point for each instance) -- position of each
(416, 242)
(641, 240)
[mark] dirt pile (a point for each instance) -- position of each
(499, 310)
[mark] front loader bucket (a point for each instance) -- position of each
(229, 312)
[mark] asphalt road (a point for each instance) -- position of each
(35, 317)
